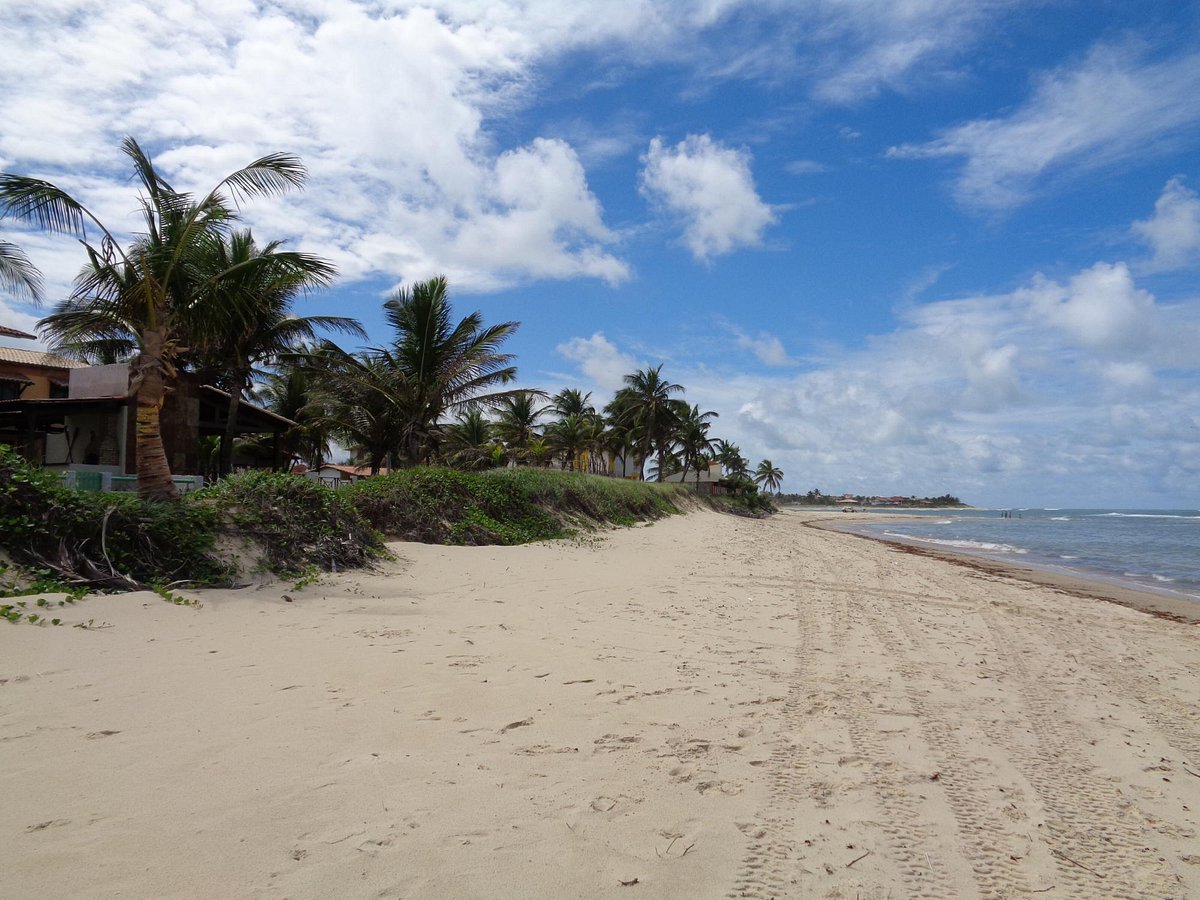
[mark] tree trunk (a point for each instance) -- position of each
(231, 421)
(153, 472)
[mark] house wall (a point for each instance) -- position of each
(180, 421)
(91, 442)
(39, 378)
(100, 381)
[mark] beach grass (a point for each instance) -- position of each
(505, 506)
(291, 525)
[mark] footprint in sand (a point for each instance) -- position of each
(610, 743)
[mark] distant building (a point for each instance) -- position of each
(704, 481)
(332, 475)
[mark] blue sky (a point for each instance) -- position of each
(901, 247)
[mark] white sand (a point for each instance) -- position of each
(715, 707)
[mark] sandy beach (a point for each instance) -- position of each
(704, 707)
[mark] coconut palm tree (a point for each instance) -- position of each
(572, 401)
(647, 406)
(728, 455)
(448, 367)
(257, 293)
(692, 439)
(768, 475)
(365, 399)
(287, 392)
(569, 438)
(517, 418)
(147, 288)
(468, 442)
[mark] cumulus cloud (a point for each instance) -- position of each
(1173, 233)
(599, 361)
(710, 188)
(397, 109)
(389, 110)
(987, 396)
(1106, 109)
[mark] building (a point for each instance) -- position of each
(705, 481)
(77, 418)
(332, 475)
(33, 374)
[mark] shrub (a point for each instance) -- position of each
(504, 506)
(102, 539)
(297, 521)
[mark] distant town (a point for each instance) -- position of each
(816, 497)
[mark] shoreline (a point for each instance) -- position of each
(1162, 605)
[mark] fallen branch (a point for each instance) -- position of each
(856, 859)
(1073, 862)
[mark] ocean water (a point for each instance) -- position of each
(1153, 549)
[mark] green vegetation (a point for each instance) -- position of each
(190, 292)
(297, 522)
(815, 497)
(504, 506)
(167, 289)
(72, 538)
(69, 540)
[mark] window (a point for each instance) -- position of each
(10, 388)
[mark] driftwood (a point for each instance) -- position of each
(77, 568)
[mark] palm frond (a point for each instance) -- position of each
(276, 173)
(41, 203)
(18, 274)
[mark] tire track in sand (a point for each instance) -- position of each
(1093, 831)
(769, 859)
(987, 846)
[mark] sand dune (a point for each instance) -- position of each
(706, 707)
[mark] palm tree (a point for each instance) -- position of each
(448, 367)
(287, 392)
(17, 274)
(258, 292)
(768, 476)
(570, 438)
(646, 406)
(572, 401)
(516, 423)
(365, 399)
(727, 454)
(468, 441)
(149, 288)
(693, 440)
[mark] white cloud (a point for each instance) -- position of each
(1109, 108)
(1082, 390)
(397, 109)
(884, 44)
(390, 112)
(600, 362)
(1173, 233)
(711, 189)
(806, 167)
(1100, 309)
(766, 347)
